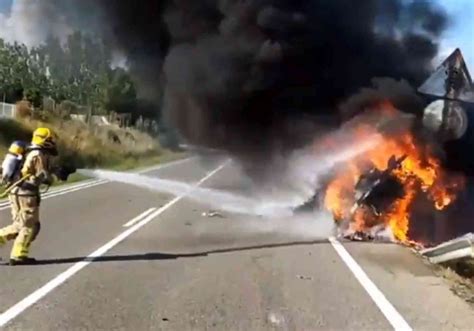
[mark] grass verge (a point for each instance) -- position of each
(96, 147)
(460, 277)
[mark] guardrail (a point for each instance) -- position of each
(7, 110)
(461, 248)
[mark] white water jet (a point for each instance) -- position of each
(304, 176)
(223, 200)
(307, 169)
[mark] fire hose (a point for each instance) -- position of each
(61, 172)
(12, 186)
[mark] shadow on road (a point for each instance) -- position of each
(171, 256)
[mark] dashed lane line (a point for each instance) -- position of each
(37, 295)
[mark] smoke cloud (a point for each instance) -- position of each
(257, 78)
(31, 22)
(240, 74)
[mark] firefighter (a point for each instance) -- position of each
(25, 198)
(12, 162)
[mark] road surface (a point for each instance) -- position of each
(173, 269)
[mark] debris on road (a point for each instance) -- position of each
(414, 246)
(359, 236)
(304, 277)
(458, 249)
(212, 213)
(276, 319)
(378, 233)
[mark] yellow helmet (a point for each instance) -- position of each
(44, 137)
(17, 148)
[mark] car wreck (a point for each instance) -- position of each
(373, 195)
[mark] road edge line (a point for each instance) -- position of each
(138, 218)
(38, 294)
(5, 204)
(387, 309)
(63, 192)
(164, 165)
(61, 189)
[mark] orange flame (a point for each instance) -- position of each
(420, 171)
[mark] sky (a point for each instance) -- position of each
(5, 5)
(459, 34)
(461, 30)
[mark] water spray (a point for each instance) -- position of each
(305, 172)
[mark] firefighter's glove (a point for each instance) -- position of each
(63, 173)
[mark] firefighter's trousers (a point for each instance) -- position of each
(25, 226)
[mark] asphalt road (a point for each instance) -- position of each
(173, 269)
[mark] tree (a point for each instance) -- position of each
(78, 71)
(14, 71)
(119, 92)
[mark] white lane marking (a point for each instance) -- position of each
(74, 190)
(37, 295)
(138, 218)
(166, 165)
(62, 192)
(73, 187)
(61, 189)
(91, 183)
(67, 188)
(390, 313)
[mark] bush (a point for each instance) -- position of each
(23, 109)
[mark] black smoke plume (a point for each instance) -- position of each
(243, 75)
(240, 74)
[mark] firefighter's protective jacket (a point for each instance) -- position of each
(37, 165)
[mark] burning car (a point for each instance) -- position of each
(375, 192)
(378, 188)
